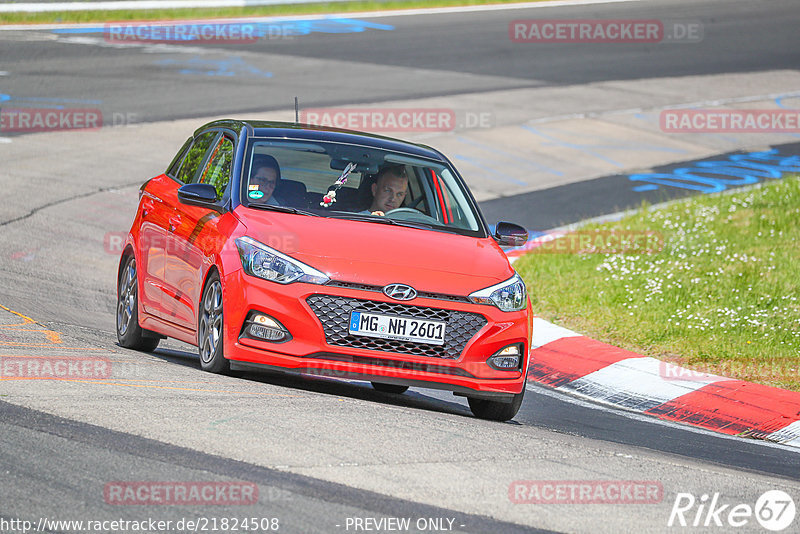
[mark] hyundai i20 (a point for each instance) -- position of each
(295, 248)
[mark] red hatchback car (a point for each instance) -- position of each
(287, 247)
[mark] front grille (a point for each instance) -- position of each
(334, 314)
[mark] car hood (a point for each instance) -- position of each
(379, 254)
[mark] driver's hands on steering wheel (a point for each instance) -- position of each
(378, 212)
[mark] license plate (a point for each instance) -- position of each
(399, 328)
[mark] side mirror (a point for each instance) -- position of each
(203, 195)
(510, 234)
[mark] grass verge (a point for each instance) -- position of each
(234, 12)
(721, 296)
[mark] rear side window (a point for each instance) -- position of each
(218, 170)
(172, 171)
(195, 157)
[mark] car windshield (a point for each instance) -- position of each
(357, 182)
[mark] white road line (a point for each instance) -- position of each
(587, 402)
(4, 140)
(3, 73)
(83, 6)
(788, 435)
(481, 8)
(162, 48)
(699, 104)
(38, 7)
(638, 383)
(545, 332)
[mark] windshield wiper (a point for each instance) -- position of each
(283, 209)
(360, 217)
(412, 224)
(379, 219)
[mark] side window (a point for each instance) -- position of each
(452, 200)
(194, 158)
(218, 170)
(172, 171)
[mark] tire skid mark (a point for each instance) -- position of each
(37, 209)
(149, 386)
(26, 319)
(53, 337)
(55, 342)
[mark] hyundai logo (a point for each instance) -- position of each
(400, 292)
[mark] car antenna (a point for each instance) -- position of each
(296, 111)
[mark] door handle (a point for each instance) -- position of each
(147, 207)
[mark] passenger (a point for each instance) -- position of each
(389, 190)
(264, 177)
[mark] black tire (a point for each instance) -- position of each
(389, 388)
(129, 334)
(494, 410)
(210, 328)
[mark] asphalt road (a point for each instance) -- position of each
(80, 460)
(394, 58)
(320, 451)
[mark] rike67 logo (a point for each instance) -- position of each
(774, 510)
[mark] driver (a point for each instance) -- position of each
(264, 177)
(389, 190)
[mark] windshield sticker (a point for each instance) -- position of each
(253, 187)
(256, 194)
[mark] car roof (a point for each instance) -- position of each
(290, 130)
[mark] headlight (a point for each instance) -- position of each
(264, 262)
(508, 296)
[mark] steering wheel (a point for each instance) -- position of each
(411, 215)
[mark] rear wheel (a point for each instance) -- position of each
(389, 388)
(210, 326)
(129, 334)
(495, 410)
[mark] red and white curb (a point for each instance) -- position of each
(573, 363)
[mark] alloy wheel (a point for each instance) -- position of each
(211, 321)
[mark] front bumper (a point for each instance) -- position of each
(316, 317)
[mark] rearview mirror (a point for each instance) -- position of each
(361, 166)
(510, 234)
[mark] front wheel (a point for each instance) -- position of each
(210, 327)
(495, 410)
(129, 334)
